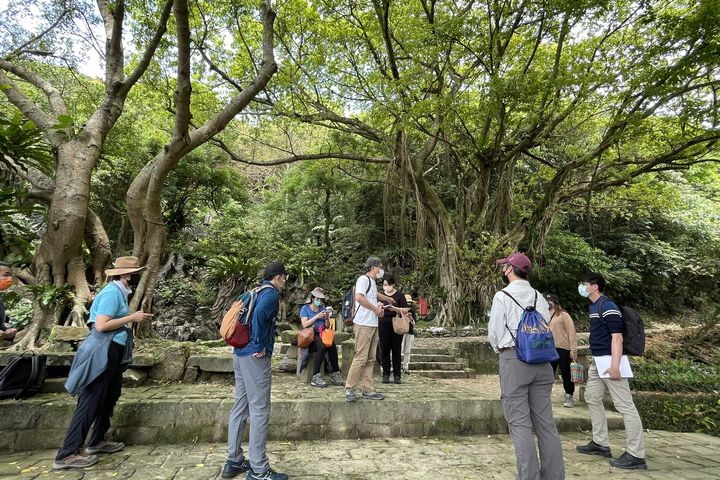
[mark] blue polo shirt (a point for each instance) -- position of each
(111, 301)
(307, 311)
(603, 324)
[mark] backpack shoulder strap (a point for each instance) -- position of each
(513, 298)
(34, 372)
(369, 285)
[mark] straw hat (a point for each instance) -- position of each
(124, 265)
(408, 298)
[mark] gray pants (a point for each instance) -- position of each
(525, 392)
(253, 378)
(623, 402)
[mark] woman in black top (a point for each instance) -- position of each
(390, 342)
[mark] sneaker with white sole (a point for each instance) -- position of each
(318, 381)
(569, 402)
(336, 378)
(233, 469)
(350, 395)
(104, 447)
(269, 474)
(75, 462)
(373, 395)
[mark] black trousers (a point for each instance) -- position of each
(390, 344)
(564, 363)
(319, 348)
(95, 406)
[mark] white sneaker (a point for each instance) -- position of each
(569, 402)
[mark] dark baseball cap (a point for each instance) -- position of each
(274, 268)
(517, 260)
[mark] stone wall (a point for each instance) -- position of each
(41, 423)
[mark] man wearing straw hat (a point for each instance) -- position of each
(96, 372)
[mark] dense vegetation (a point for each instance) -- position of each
(436, 135)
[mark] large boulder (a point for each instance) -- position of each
(289, 336)
(171, 365)
(68, 334)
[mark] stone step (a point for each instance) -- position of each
(65, 359)
(441, 373)
(176, 414)
(429, 351)
(54, 385)
(419, 366)
(431, 357)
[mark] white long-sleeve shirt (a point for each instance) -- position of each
(506, 312)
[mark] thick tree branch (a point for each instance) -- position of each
(183, 89)
(298, 158)
(24, 104)
(53, 94)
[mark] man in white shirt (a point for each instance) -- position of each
(525, 388)
(365, 326)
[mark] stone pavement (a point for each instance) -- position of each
(676, 456)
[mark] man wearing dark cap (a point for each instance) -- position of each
(525, 388)
(253, 378)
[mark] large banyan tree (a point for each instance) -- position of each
(494, 115)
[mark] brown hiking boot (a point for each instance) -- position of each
(75, 461)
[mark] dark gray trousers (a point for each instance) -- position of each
(525, 393)
(253, 379)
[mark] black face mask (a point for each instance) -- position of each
(134, 281)
(505, 279)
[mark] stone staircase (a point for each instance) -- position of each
(437, 362)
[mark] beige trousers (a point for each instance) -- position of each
(623, 402)
(361, 369)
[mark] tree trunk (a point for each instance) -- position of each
(59, 256)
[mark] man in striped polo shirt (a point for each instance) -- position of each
(606, 340)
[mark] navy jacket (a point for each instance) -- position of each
(262, 330)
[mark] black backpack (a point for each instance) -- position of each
(23, 376)
(348, 306)
(633, 330)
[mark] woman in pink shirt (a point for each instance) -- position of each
(563, 330)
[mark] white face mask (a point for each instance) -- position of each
(381, 273)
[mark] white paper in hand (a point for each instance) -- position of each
(603, 362)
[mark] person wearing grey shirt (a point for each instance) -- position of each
(525, 388)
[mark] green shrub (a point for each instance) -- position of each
(680, 412)
(675, 376)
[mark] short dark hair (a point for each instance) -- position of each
(594, 278)
(389, 279)
(3, 264)
(520, 273)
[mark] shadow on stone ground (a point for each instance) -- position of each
(673, 456)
